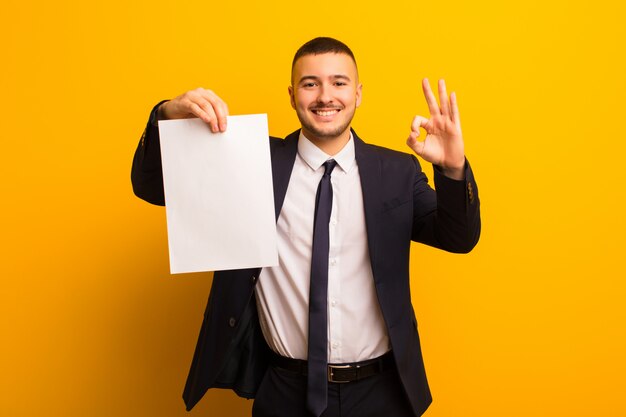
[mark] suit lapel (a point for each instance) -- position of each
(370, 171)
(283, 158)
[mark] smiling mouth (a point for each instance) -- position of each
(325, 113)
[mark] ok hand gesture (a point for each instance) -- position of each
(443, 145)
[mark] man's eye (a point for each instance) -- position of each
(340, 83)
(309, 85)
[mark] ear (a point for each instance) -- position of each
(291, 97)
(359, 94)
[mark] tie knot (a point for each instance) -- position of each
(329, 166)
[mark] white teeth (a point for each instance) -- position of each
(326, 113)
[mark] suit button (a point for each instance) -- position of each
(232, 322)
(253, 279)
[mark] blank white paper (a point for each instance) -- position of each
(218, 194)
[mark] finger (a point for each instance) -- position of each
(221, 112)
(205, 112)
(413, 143)
(197, 111)
(433, 107)
(443, 98)
(218, 108)
(420, 121)
(455, 110)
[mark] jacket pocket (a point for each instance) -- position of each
(393, 204)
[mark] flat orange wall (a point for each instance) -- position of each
(529, 324)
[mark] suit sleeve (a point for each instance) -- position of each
(449, 218)
(147, 173)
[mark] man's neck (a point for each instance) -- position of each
(330, 146)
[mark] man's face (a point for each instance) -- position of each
(325, 93)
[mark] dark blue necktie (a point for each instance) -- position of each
(317, 382)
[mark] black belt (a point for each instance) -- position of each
(340, 373)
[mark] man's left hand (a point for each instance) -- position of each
(443, 145)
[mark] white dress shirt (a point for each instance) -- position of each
(356, 329)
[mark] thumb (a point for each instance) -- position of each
(413, 143)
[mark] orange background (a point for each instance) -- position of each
(529, 324)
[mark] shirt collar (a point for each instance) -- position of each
(315, 157)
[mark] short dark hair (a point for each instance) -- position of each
(322, 45)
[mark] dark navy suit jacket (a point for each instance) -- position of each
(400, 207)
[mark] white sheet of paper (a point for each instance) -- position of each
(219, 196)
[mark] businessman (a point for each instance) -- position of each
(331, 330)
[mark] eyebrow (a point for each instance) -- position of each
(316, 78)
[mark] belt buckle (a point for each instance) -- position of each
(331, 375)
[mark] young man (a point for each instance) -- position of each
(331, 330)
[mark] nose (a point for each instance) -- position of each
(324, 96)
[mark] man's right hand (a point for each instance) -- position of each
(201, 103)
